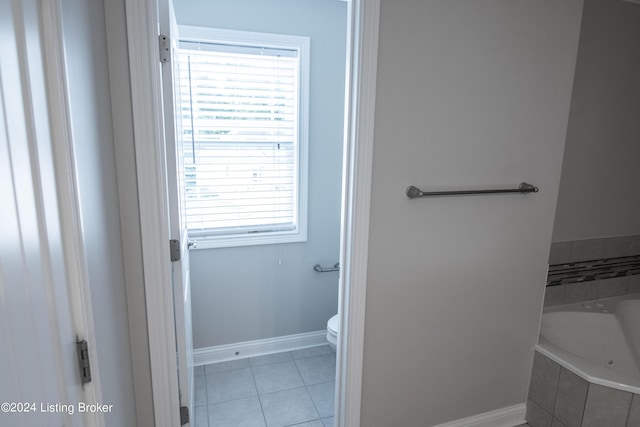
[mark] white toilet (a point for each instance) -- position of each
(332, 331)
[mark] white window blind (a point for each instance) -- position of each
(240, 118)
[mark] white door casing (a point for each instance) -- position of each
(360, 97)
(44, 295)
(144, 65)
(148, 117)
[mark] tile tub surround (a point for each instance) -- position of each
(591, 249)
(588, 291)
(559, 398)
(275, 390)
(585, 250)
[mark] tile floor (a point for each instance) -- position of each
(294, 388)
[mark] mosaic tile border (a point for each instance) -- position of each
(584, 270)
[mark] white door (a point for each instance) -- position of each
(177, 224)
(37, 335)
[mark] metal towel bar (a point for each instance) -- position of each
(336, 267)
(415, 193)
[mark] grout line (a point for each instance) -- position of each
(264, 417)
(270, 363)
(279, 391)
(255, 385)
(315, 355)
(584, 405)
(305, 422)
(206, 397)
(232, 400)
(313, 401)
(300, 373)
(555, 398)
(306, 387)
(626, 422)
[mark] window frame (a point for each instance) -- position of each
(276, 41)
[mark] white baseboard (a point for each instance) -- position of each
(506, 417)
(241, 350)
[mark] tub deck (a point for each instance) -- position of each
(597, 340)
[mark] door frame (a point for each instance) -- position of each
(146, 98)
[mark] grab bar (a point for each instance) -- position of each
(336, 267)
(415, 193)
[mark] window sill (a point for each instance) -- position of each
(232, 241)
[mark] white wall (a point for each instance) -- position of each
(468, 94)
(242, 294)
(599, 195)
(85, 45)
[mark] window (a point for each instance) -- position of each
(244, 105)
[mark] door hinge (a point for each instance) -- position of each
(184, 415)
(82, 351)
(165, 48)
(174, 250)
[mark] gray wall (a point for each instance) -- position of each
(249, 293)
(468, 94)
(85, 44)
(599, 194)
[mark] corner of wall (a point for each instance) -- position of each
(122, 117)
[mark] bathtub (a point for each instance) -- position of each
(596, 340)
